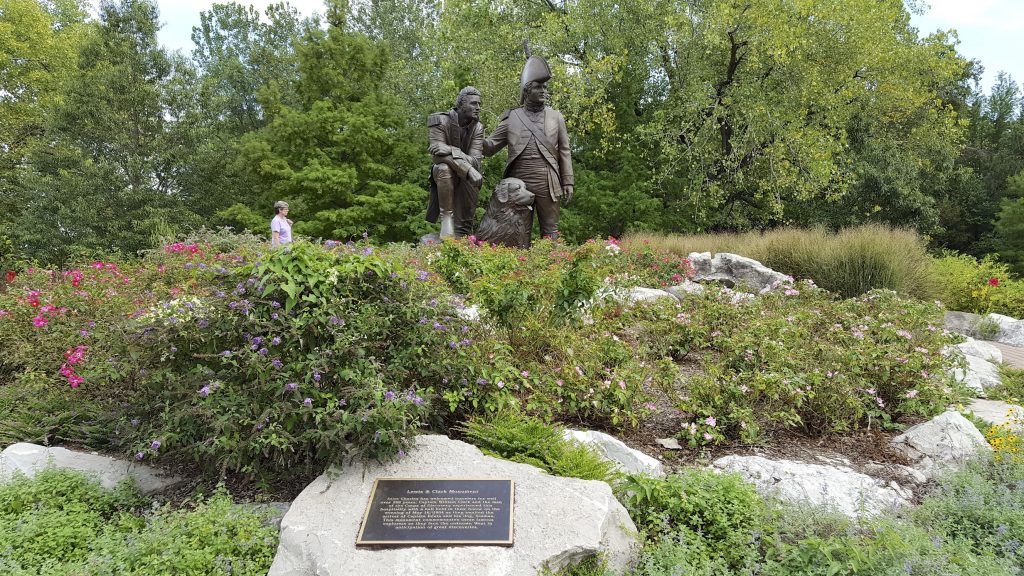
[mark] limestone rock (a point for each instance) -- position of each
(31, 458)
(648, 295)
(997, 412)
(558, 521)
(964, 323)
(669, 443)
(738, 270)
(943, 442)
(685, 289)
(981, 349)
(836, 487)
(979, 375)
(626, 459)
(1011, 330)
(701, 263)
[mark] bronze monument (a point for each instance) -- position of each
(538, 147)
(456, 145)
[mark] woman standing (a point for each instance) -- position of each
(280, 226)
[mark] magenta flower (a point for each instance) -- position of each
(38, 321)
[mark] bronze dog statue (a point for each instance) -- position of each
(509, 217)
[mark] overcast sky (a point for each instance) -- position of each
(990, 30)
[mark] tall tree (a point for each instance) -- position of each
(39, 43)
(106, 182)
(344, 156)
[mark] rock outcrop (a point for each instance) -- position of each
(31, 458)
(557, 521)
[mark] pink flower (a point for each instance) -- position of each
(525, 373)
(708, 437)
(912, 394)
(622, 384)
(710, 421)
(39, 321)
(993, 281)
(75, 380)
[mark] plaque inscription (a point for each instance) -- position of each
(438, 511)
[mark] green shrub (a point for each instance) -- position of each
(62, 523)
(563, 347)
(722, 508)
(514, 436)
(798, 358)
(848, 263)
(980, 286)
(308, 357)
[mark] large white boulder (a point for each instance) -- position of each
(981, 349)
(979, 375)
(31, 458)
(557, 521)
(733, 270)
(943, 442)
(835, 487)
(996, 412)
(964, 323)
(625, 458)
(1011, 330)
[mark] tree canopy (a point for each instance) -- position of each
(684, 116)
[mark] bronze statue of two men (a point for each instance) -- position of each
(538, 176)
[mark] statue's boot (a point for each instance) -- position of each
(447, 218)
(445, 199)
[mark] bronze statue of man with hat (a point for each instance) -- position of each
(456, 145)
(538, 146)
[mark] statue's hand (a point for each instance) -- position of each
(439, 149)
(475, 177)
(566, 194)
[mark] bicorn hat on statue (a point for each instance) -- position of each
(535, 70)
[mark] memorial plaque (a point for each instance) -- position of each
(416, 511)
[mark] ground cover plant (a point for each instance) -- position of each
(63, 523)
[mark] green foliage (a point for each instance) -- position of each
(306, 357)
(982, 505)
(970, 526)
(849, 262)
(61, 523)
(1011, 385)
(980, 286)
(342, 154)
(718, 511)
(511, 435)
(798, 358)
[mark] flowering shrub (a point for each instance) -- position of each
(801, 359)
(308, 357)
(980, 286)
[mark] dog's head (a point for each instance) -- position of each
(512, 192)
